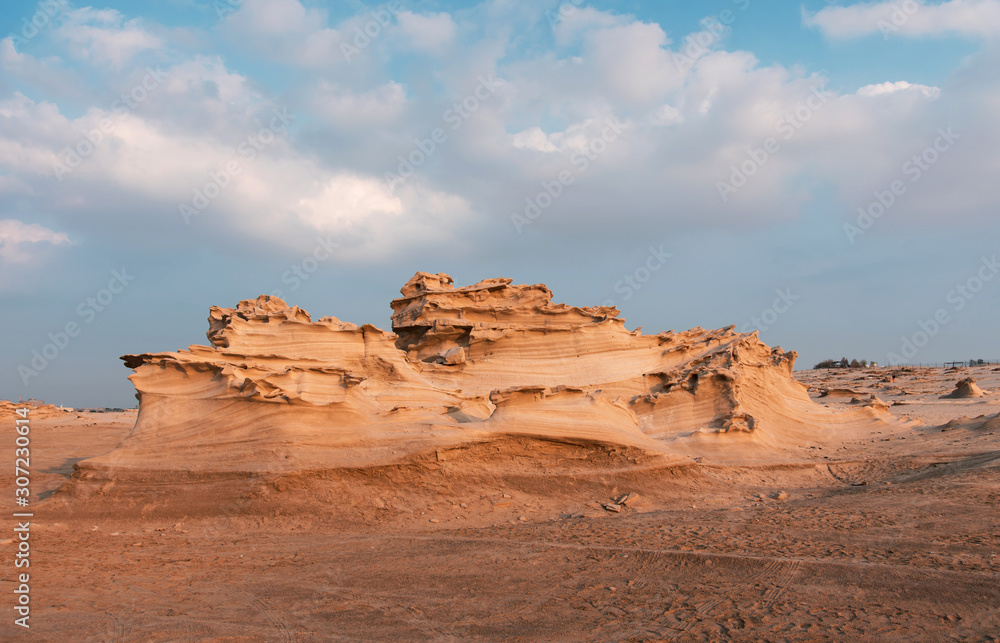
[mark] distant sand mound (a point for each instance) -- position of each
(965, 388)
(987, 423)
(278, 392)
(9, 409)
(871, 400)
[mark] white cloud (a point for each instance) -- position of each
(18, 238)
(344, 108)
(284, 30)
(207, 77)
(666, 115)
(275, 17)
(883, 89)
(30, 134)
(975, 18)
(533, 138)
(429, 33)
(279, 191)
(687, 127)
(374, 222)
(348, 200)
(617, 64)
(631, 62)
(46, 73)
(105, 37)
(577, 21)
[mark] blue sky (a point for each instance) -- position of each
(695, 164)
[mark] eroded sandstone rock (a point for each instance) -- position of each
(277, 391)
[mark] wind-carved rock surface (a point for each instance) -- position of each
(277, 391)
(965, 388)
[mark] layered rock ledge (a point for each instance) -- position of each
(276, 391)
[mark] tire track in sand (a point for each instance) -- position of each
(273, 618)
(116, 628)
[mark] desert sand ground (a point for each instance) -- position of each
(878, 537)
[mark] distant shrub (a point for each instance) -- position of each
(843, 362)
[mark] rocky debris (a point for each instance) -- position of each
(839, 392)
(627, 498)
(613, 507)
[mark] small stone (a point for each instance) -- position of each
(434, 520)
(781, 495)
(613, 507)
(463, 505)
(522, 519)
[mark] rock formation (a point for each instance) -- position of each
(965, 388)
(37, 412)
(277, 391)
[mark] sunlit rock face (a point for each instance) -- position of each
(277, 391)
